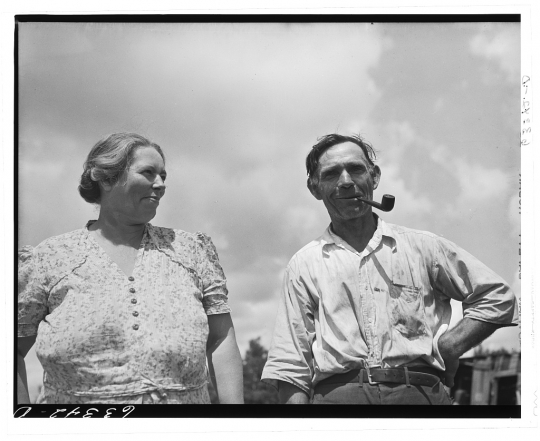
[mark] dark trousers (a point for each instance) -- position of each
(388, 393)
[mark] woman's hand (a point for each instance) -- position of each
(224, 359)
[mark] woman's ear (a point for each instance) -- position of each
(105, 185)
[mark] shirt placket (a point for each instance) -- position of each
(135, 303)
(368, 311)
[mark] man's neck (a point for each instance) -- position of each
(356, 232)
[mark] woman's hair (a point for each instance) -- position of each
(107, 160)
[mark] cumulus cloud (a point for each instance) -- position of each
(236, 107)
(500, 43)
(477, 184)
(514, 216)
(410, 204)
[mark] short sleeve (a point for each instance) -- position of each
(32, 296)
(214, 284)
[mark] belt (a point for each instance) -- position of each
(416, 375)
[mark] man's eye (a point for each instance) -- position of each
(163, 177)
(358, 170)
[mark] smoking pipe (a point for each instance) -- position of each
(387, 202)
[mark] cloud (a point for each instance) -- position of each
(514, 216)
(500, 44)
(477, 183)
(236, 109)
(410, 204)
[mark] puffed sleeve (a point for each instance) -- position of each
(32, 295)
(485, 296)
(214, 284)
(290, 357)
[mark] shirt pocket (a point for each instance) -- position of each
(407, 313)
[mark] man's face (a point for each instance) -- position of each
(343, 175)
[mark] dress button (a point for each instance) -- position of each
(135, 327)
(132, 290)
(131, 278)
(133, 301)
(135, 313)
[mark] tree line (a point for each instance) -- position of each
(255, 391)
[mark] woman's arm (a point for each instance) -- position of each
(224, 359)
(24, 344)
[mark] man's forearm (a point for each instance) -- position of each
(291, 394)
(467, 334)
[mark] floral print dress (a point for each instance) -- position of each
(105, 337)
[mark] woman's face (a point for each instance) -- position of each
(137, 193)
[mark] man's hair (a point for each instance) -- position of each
(108, 159)
(325, 142)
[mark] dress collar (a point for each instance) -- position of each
(147, 234)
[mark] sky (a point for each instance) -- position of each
(236, 107)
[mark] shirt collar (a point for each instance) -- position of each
(383, 230)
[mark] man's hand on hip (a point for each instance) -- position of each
(467, 334)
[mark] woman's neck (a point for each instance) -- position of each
(117, 232)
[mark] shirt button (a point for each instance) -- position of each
(131, 290)
(135, 313)
(131, 278)
(135, 327)
(133, 301)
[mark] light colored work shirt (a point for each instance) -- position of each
(341, 310)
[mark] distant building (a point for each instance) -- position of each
(492, 379)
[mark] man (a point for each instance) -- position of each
(365, 308)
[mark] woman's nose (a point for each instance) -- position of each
(159, 183)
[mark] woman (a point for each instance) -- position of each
(122, 311)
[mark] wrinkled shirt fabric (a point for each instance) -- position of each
(106, 337)
(341, 310)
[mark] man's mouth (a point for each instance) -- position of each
(351, 197)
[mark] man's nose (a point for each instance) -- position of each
(345, 179)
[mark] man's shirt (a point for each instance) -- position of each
(341, 310)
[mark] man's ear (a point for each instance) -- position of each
(376, 176)
(314, 189)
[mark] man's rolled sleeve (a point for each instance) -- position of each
(290, 358)
(485, 296)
